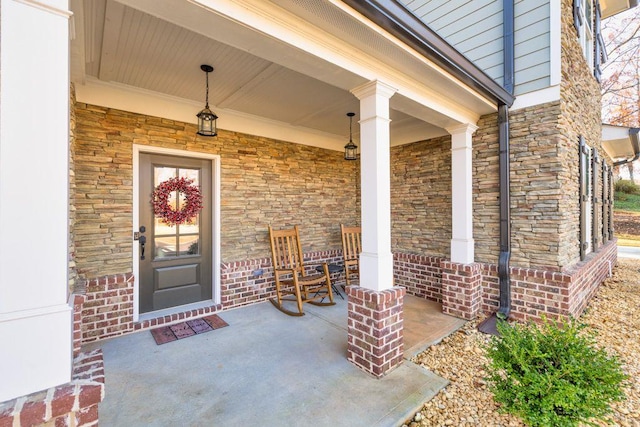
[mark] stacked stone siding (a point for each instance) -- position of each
(72, 186)
(263, 182)
(421, 197)
(581, 116)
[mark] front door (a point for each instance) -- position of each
(175, 265)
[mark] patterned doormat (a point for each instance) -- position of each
(187, 329)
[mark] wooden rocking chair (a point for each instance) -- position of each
(351, 248)
(290, 275)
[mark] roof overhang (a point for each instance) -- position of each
(620, 143)
(399, 21)
(613, 7)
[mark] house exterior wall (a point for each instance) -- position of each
(266, 181)
(476, 30)
(262, 182)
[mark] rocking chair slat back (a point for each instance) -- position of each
(286, 249)
(292, 282)
(351, 248)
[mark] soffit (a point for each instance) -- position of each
(159, 46)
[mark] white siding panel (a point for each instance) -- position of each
(474, 28)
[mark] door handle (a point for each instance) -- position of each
(143, 241)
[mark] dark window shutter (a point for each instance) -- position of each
(600, 56)
(577, 16)
(595, 201)
(583, 198)
(606, 194)
(610, 224)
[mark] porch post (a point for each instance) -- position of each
(375, 310)
(461, 277)
(35, 318)
(462, 250)
(376, 260)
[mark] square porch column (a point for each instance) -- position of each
(461, 277)
(375, 312)
(462, 250)
(35, 317)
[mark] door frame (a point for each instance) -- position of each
(215, 228)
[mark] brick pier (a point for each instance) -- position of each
(375, 323)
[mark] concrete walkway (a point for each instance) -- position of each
(265, 369)
(629, 252)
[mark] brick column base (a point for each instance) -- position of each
(461, 289)
(375, 322)
(72, 404)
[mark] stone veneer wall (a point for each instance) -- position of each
(421, 192)
(263, 182)
(73, 274)
(421, 197)
(581, 116)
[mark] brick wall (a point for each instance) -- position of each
(420, 275)
(375, 335)
(263, 182)
(74, 404)
(534, 292)
(104, 306)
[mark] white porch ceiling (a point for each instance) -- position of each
(263, 73)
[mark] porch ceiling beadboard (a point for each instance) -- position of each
(282, 68)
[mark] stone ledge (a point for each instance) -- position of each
(74, 403)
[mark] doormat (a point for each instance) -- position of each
(187, 329)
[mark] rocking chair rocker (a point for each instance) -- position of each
(293, 282)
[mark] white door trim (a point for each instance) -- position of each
(215, 216)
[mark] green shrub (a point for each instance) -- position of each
(626, 186)
(552, 375)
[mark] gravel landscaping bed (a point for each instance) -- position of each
(614, 316)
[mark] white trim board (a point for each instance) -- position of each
(215, 217)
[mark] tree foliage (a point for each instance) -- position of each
(621, 72)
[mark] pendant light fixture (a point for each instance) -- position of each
(351, 149)
(206, 118)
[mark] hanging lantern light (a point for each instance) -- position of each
(351, 149)
(206, 118)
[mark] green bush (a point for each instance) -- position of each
(626, 186)
(552, 375)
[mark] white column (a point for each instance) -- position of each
(462, 250)
(376, 259)
(35, 319)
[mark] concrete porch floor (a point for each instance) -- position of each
(268, 369)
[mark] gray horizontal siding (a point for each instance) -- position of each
(474, 27)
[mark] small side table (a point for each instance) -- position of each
(333, 269)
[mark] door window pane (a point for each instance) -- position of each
(189, 245)
(182, 239)
(165, 246)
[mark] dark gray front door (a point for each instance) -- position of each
(176, 268)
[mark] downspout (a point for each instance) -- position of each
(488, 326)
(505, 214)
(505, 166)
